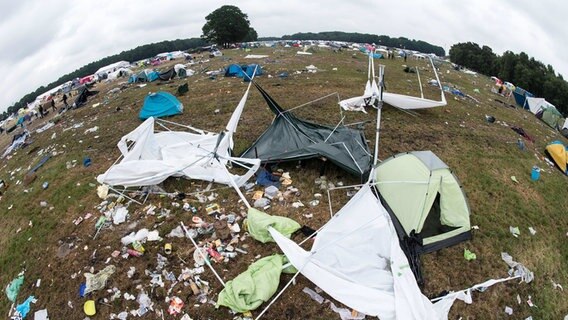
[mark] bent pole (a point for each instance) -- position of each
(379, 108)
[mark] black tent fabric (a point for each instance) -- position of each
(167, 75)
(290, 138)
(82, 97)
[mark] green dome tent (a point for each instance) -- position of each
(426, 202)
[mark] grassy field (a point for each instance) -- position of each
(483, 156)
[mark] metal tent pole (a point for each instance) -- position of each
(379, 108)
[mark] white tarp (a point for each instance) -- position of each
(356, 259)
(394, 99)
(369, 96)
(155, 156)
(410, 103)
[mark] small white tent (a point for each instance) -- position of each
(155, 156)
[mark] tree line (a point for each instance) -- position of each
(400, 42)
(519, 69)
(138, 53)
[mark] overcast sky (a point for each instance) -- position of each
(42, 40)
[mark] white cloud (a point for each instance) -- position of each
(43, 40)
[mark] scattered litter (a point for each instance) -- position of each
(41, 315)
(468, 255)
(514, 179)
(314, 295)
(119, 215)
(24, 308)
(98, 281)
(514, 231)
(102, 191)
(517, 269)
(13, 288)
(176, 304)
(532, 231)
(297, 204)
(556, 285)
(261, 203)
(530, 303)
(509, 310)
(93, 129)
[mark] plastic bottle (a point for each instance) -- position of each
(535, 173)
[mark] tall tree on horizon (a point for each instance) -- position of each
(226, 25)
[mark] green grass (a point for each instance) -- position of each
(483, 156)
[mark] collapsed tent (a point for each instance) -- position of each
(243, 71)
(394, 99)
(144, 76)
(155, 156)
(160, 104)
(413, 103)
(289, 138)
(369, 97)
(426, 202)
(559, 153)
(357, 260)
(167, 75)
(84, 94)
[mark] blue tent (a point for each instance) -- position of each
(521, 95)
(250, 70)
(239, 71)
(153, 76)
(235, 70)
(160, 104)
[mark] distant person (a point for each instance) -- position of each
(65, 100)
(404, 56)
(53, 105)
(40, 109)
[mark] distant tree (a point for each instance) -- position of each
(226, 25)
(524, 71)
(251, 36)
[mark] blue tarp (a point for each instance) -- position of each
(160, 104)
(521, 96)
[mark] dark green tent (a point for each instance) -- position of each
(81, 99)
(167, 75)
(290, 138)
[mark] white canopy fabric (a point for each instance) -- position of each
(155, 156)
(356, 259)
(369, 96)
(565, 126)
(394, 99)
(405, 102)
